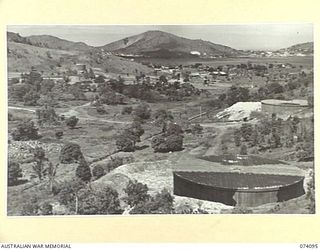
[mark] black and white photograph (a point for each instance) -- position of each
(160, 119)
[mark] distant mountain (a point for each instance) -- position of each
(158, 44)
(304, 48)
(50, 42)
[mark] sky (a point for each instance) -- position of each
(240, 36)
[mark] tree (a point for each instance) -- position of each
(72, 121)
(136, 193)
(91, 74)
(31, 98)
(70, 152)
(162, 203)
(310, 100)
(237, 137)
(166, 143)
(275, 88)
(100, 109)
(99, 79)
(173, 129)
(243, 150)
(174, 142)
(47, 115)
(237, 94)
(124, 143)
(135, 131)
(31, 207)
(196, 129)
(25, 131)
(59, 134)
(98, 171)
(83, 171)
(143, 111)
(51, 172)
(40, 158)
(162, 117)
(46, 86)
(69, 194)
(103, 200)
(246, 130)
(126, 110)
(18, 91)
(14, 172)
(163, 79)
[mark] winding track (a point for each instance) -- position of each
(75, 111)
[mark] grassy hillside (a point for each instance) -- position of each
(306, 48)
(46, 41)
(151, 41)
(22, 56)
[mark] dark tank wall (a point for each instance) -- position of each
(184, 187)
(234, 197)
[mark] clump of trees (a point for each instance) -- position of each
(70, 152)
(142, 203)
(272, 133)
(83, 171)
(47, 116)
(14, 173)
(25, 131)
(127, 139)
(170, 140)
(81, 199)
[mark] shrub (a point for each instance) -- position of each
(241, 210)
(243, 150)
(70, 153)
(196, 129)
(18, 91)
(162, 203)
(101, 110)
(99, 79)
(143, 111)
(114, 163)
(124, 143)
(31, 98)
(46, 208)
(14, 172)
(162, 143)
(72, 121)
(126, 110)
(246, 131)
(59, 134)
(83, 171)
(31, 207)
(25, 131)
(98, 172)
(10, 117)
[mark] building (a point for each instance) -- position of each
(237, 180)
(81, 68)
